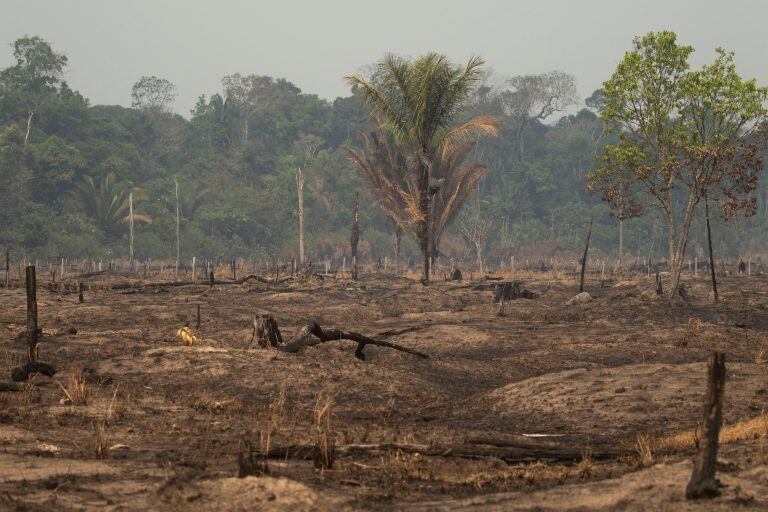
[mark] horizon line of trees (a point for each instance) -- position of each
(67, 168)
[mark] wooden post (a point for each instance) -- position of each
(194, 275)
(695, 266)
(7, 266)
(80, 297)
(61, 273)
(211, 280)
(32, 313)
(703, 483)
(234, 269)
(197, 324)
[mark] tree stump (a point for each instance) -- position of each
(456, 275)
(265, 332)
(703, 483)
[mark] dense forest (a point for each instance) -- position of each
(67, 169)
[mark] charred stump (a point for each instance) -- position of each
(266, 332)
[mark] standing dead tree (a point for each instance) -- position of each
(354, 238)
(584, 258)
(307, 146)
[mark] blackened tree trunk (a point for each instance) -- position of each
(584, 259)
(354, 238)
(703, 483)
(711, 256)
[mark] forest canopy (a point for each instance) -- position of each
(67, 166)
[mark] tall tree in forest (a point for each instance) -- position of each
(36, 76)
(153, 94)
(528, 98)
(685, 136)
(249, 93)
(420, 101)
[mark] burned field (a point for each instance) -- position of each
(592, 405)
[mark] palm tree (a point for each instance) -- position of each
(418, 101)
(108, 201)
(392, 177)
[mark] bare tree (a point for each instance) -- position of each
(307, 146)
(529, 98)
(249, 93)
(474, 227)
(153, 94)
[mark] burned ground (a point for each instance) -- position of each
(620, 373)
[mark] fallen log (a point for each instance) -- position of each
(168, 284)
(313, 334)
(508, 454)
(22, 373)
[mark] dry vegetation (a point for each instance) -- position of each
(136, 420)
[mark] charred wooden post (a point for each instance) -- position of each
(703, 483)
(81, 288)
(355, 236)
(266, 332)
(32, 332)
(659, 289)
(197, 324)
(234, 269)
(210, 282)
(584, 259)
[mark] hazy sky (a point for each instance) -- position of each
(314, 43)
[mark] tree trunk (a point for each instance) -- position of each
(178, 222)
(703, 483)
(397, 236)
(32, 331)
(355, 236)
(584, 259)
(300, 192)
(422, 227)
(711, 256)
(29, 126)
(621, 240)
(130, 229)
(678, 254)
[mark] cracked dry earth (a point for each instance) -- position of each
(597, 376)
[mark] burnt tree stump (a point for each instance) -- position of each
(32, 330)
(703, 483)
(266, 332)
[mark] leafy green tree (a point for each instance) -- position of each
(107, 201)
(36, 76)
(682, 136)
(419, 101)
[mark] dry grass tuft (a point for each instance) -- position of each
(644, 449)
(76, 389)
(324, 439)
(754, 428)
(100, 448)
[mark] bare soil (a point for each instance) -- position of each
(162, 423)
